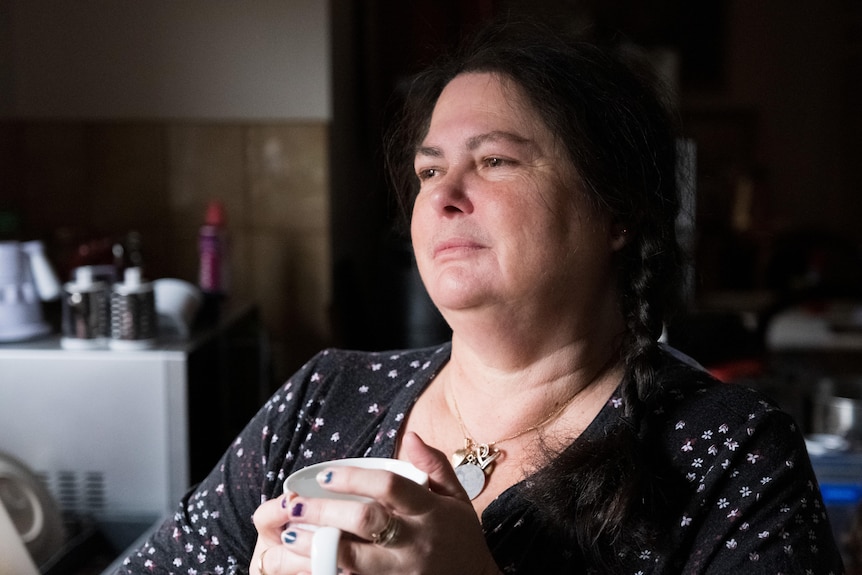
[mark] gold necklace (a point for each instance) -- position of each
(475, 462)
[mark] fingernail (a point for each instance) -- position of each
(288, 497)
(325, 477)
(288, 537)
(296, 510)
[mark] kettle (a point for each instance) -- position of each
(26, 279)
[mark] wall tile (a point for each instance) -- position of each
(287, 167)
(127, 173)
(291, 280)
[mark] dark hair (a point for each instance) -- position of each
(621, 139)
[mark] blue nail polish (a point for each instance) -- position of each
(284, 502)
(296, 510)
(288, 537)
(327, 478)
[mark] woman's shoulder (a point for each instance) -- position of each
(689, 391)
(390, 363)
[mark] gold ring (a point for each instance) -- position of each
(260, 561)
(386, 536)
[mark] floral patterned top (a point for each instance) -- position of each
(749, 502)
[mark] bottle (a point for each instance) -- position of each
(213, 252)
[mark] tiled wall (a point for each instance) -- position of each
(71, 181)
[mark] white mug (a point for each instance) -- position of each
(324, 546)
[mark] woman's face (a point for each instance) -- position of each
(500, 220)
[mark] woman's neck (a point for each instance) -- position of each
(497, 398)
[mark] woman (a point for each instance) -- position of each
(542, 187)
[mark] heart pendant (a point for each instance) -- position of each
(459, 456)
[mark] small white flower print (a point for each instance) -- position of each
(335, 437)
(363, 389)
(373, 408)
(315, 377)
(392, 374)
(308, 454)
(745, 491)
(731, 544)
(687, 446)
(616, 402)
(763, 535)
(376, 366)
(731, 444)
(754, 556)
(723, 502)
(679, 425)
(685, 522)
(177, 562)
(723, 428)
(713, 450)
(698, 462)
(415, 364)
(706, 434)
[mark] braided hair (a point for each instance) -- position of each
(620, 137)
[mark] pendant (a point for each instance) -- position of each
(472, 479)
(473, 465)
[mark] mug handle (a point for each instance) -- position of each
(324, 551)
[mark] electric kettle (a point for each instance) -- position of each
(26, 279)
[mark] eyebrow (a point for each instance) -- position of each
(475, 141)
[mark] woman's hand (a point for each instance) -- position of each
(437, 531)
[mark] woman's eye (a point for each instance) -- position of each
(494, 162)
(426, 173)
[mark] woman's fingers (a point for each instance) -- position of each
(361, 519)
(435, 463)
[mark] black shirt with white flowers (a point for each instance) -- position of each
(748, 502)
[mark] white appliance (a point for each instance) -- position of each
(117, 436)
(105, 430)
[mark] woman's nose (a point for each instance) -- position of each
(451, 195)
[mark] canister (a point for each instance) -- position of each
(85, 311)
(133, 312)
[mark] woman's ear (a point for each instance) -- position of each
(619, 236)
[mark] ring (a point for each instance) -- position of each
(386, 536)
(260, 561)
